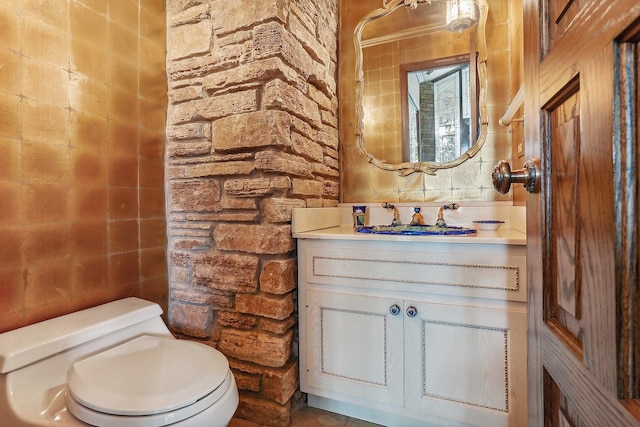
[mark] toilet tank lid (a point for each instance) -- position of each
(29, 344)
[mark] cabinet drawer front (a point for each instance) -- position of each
(475, 275)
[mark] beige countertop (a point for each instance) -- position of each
(328, 223)
(505, 236)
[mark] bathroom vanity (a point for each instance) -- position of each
(412, 330)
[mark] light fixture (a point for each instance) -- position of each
(461, 14)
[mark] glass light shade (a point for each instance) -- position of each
(461, 14)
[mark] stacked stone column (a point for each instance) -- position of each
(251, 134)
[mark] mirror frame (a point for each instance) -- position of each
(430, 168)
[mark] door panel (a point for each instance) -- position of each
(581, 103)
(562, 310)
(560, 15)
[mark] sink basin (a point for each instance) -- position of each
(417, 230)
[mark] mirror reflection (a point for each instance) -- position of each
(438, 109)
(404, 127)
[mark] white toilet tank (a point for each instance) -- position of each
(35, 359)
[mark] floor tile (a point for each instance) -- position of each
(311, 417)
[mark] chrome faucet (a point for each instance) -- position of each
(440, 221)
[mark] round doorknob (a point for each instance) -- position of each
(412, 311)
(394, 309)
(528, 176)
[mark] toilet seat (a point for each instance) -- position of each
(148, 381)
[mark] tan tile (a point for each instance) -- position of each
(151, 173)
(46, 243)
(120, 289)
(44, 82)
(123, 203)
(10, 82)
(153, 263)
(88, 96)
(11, 291)
(123, 105)
(55, 14)
(88, 133)
(153, 233)
(498, 12)
(45, 122)
(123, 138)
(10, 35)
(153, 85)
(89, 276)
(47, 282)
(153, 115)
(88, 167)
(88, 203)
(123, 236)
(10, 159)
(88, 238)
(46, 308)
(10, 247)
(88, 24)
(124, 13)
(152, 144)
(152, 203)
(122, 42)
(45, 42)
(152, 22)
(156, 290)
(45, 163)
(122, 74)
(123, 171)
(10, 203)
(9, 116)
(498, 39)
(99, 6)
(45, 203)
(89, 60)
(124, 269)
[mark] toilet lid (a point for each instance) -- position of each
(147, 375)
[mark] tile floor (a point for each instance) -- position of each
(312, 417)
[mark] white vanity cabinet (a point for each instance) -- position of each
(414, 333)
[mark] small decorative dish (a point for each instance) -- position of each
(488, 225)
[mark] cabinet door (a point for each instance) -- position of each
(466, 364)
(354, 346)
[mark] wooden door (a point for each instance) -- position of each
(581, 73)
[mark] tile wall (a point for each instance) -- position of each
(82, 119)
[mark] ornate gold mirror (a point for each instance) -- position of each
(427, 115)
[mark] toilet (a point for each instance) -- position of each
(116, 364)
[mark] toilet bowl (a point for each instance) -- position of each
(112, 365)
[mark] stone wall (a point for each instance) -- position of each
(251, 134)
